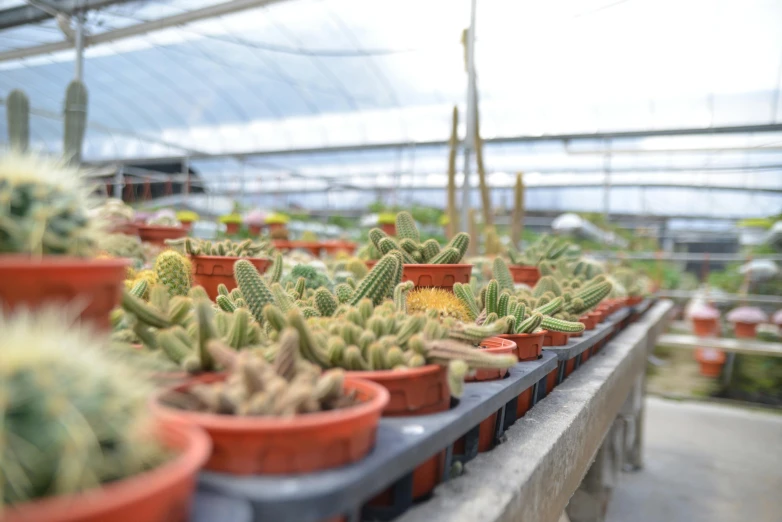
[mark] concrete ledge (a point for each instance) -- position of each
(532, 476)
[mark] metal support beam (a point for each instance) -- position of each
(79, 45)
(472, 110)
(142, 28)
(31, 14)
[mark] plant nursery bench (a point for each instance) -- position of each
(538, 463)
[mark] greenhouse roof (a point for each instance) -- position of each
(357, 95)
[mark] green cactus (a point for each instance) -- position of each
(465, 295)
(253, 288)
(556, 325)
(447, 256)
(174, 271)
(429, 249)
(325, 302)
(17, 110)
(501, 273)
(312, 277)
(492, 296)
(343, 292)
(517, 217)
(546, 284)
(530, 324)
(377, 284)
(474, 333)
(406, 228)
(400, 295)
(453, 145)
(75, 121)
(550, 307)
(589, 297)
(461, 242)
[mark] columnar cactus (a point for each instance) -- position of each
(453, 144)
(17, 110)
(253, 288)
(225, 248)
(517, 217)
(410, 249)
(174, 271)
(75, 121)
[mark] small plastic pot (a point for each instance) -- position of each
(634, 300)
(158, 235)
(524, 402)
(555, 338)
(333, 248)
(743, 330)
(551, 379)
(389, 228)
(187, 225)
(529, 347)
(232, 228)
(437, 276)
(705, 327)
(499, 345)
(415, 391)
(710, 361)
(595, 317)
(527, 275)
(254, 229)
(271, 445)
(129, 229)
(95, 284)
(162, 494)
(210, 271)
(589, 321)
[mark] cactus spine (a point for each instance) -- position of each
(75, 122)
(17, 107)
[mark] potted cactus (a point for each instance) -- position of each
(160, 226)
(48, 241)
(745, 320)
(187, 218)
(426, 264)
(386, 221)
(280, 417)
(232, 222)
(116, 217)
(526, 267)
(705, 320)
(710, 361)
(255, 220)
(277, 224)
(79, 444)
(213, 262)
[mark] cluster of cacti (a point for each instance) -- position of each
(113, 212)
(164, 218)
(445, 303)
(174, 271)
(179, 328)
(353, 266)
(256, 387)
(226, 248)
(73, 417)
(364, 337)
(408, 244)
(135, 277)
(544, 250)
(122, 245)
(634, 283)
(313, 278)
(44, 210)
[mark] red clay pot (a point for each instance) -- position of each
(416, 391)
(529, 347)
(300, 444)
(635, 300)
(371, 263)
(129, 229)
(555, 338)
(551, 379)
(437, 276)
(254, 229)
(711, 361)
(485, 436)
(313, 247)
(570, 366)
(333, 248)
(708, 327)
(744, 330)
(159, 495)
(95, 284)
(527, 275)
(589, 321)
(158, 235)
(389, 228)
(524, 403)
(210, 271)
(187, 225)
(595, 317)
(497, 345)
(232, 228)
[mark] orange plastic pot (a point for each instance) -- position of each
(437, 276)
(210, 271)
(585, 355)
(595, 317)
(333, 248)
(707, 327)
(415, 391)
(555, 338)
(94, 284)
(744, 330)
(370, 263)
(529, 347)
(254, 229)
(159, 495)
(129, 229)
(551, 379)
(389, 228)
(271, 445)
(158, 235)
(485, 436)
(710, 361)
(495, 345)
(635, 300)
(524, 403)
(232, 228)
(570, 366)
(589, 321)
(527, 275)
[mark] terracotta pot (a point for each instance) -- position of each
(551, 379)
(555, 338)
(585, 355)
(187, 225)
(159, 495)
(527, 275)
(589, 321)
(333, 248)
(232, 228)
(529, 347)
(486, 432)
(95, 284)
(389, 228)
(524, 403)
(570, 366)
(595, 317)
(437, 276)
(496, 345)
(744, 330)
(313, 247)
(129, 229)
(210, 271)
(254, 229)
(276, 227)
(416, 391)
(711, 361)
(371, 263)
(633, 301)
(300, 444)
(158, 235)
(708, 327)
(282, 245)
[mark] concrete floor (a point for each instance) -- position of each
(704, 463)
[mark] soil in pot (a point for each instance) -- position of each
(414, 391)
(96, 284)
(527, 275)
(529, 347)
(157, 235)
(210, 271)
(162, 494)
(299, 444)
(437, 276)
